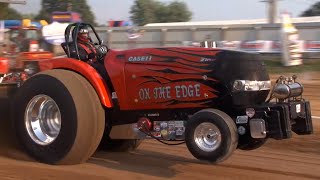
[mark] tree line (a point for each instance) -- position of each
(141, 12)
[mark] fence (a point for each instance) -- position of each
(228, 36)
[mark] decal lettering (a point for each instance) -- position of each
(162, 92)
(153, 115)
(178, 91)
(187, 91)
(144, 94)
(139, 58)
(206, 59)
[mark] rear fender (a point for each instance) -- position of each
(86, 71)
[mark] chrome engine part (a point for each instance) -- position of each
(258, 128)
(286, 88)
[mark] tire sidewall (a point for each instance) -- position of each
(53, 88)
(217, 120)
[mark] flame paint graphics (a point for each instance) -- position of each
(177, 77)
(189, 58)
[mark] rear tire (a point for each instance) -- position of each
(211, 135)
(82, 117)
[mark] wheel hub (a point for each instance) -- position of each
(42, 119)
(207, 136)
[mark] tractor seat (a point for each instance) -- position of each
(72, 49)
(64, 47)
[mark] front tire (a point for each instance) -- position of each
(70, 106)
(211, 135)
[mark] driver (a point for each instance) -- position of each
(88, 51)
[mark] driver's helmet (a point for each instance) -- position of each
(83, 34)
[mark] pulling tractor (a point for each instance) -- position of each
(213, 100)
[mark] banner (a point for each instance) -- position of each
(312, 46)
(66, 17)
(255, 46)
(234, 45)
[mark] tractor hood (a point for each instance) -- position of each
(224, 66)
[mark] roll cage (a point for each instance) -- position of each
(73, 30)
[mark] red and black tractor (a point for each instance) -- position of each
(214, 100)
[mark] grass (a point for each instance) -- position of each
(275, 67)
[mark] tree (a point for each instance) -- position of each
(151, 11)
(178, 12)
(8, 13)
(314, 10)
(80, 6)
(143, 11)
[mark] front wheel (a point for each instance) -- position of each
(211, 135)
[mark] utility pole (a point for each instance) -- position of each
(272, 10)
(69, 7)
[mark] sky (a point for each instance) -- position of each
(203, 10)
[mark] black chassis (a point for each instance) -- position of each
(281, 119)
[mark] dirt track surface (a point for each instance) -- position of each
(296, 158)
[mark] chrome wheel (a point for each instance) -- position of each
(42, 119)
(207, 136)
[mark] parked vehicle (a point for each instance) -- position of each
(22, 46)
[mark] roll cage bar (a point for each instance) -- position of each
(73, 29)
